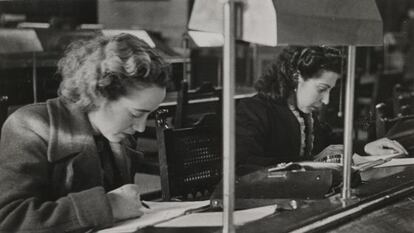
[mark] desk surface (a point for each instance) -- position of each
(397, 218)
(394, 186)
(320, 209)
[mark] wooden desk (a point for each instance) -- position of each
(388, 200)
(370, 196)
(397, 218)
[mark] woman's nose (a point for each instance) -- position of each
(325, 99)
(139, 125)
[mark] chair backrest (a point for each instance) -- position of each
(182, 116)
(182, 102)
(402, 100)
(3, 109)
(383, 123)
(190, 160)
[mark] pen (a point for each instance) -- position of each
(372, 164)
(280, 166)
(145, 205)
(197, 210)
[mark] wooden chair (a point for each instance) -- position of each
(383, 123)
(183, 116)
(190, 159)
(3, 109)
(374, 89)
(403, 101)
(381, 120)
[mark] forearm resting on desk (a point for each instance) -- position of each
(385, 146)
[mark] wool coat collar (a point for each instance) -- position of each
(71, 133)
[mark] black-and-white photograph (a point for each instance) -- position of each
(206, 116)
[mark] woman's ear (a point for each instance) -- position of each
(100, 101)
(300, 79)
(297, 78)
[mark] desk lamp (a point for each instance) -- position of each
(201, 39)
(285, 22)
(141, 34)
(14, 41)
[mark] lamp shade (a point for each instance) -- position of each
(297, 22)
(142, 34)
(19, 41)
(206, 39)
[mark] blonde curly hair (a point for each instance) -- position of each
(107, 67)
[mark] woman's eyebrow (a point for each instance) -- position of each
(324, 85)
(141, 110)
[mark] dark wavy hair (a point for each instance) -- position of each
(107, 67)
(278, 81)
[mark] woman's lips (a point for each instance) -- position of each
(315, 108)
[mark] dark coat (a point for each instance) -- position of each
(50, 173)
(267, 133)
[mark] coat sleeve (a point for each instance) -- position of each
(25, 191)
(251, 133)
(324, 136)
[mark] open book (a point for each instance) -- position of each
(157, 212)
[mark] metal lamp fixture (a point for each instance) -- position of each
(285, 22)
(142, 34)
(22, 41)
(296, 22)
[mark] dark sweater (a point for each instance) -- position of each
(267, 133)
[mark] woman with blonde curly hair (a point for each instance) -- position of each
(279, 123)
(65, 164)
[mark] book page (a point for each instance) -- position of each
(358, 159)
(398, 162)
(387, 161)
(212, 219)
(158, 212)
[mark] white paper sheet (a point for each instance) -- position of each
(398, 162)
(158, 212)
(357, 159)
(211, 219)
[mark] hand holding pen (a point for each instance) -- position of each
(126, 202)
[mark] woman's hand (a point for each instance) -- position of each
(385, 146)
(125, 202)
(331, 153)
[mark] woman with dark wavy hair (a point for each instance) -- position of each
(278, 124)
(66, 164)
